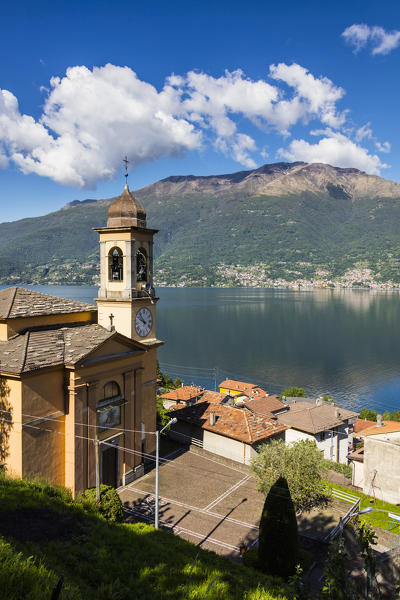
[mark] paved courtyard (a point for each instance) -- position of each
(211, 503)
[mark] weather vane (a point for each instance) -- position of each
(126, 162)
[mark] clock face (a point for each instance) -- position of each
(143, 322)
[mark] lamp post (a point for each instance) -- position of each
(364, 511)
(158, 433)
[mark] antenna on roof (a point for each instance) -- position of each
(126, 162)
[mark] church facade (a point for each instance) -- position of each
(76, 379)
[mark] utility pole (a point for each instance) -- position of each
(96, 447)
(158, 433)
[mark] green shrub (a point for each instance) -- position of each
(293, 392)
(278, 546)
(339, 468)
(110, 503)
(369, 415)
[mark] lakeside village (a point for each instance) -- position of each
(233, 422)
(79, 410)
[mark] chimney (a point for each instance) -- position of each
(337, 413)
(212, 418)
(379, 421)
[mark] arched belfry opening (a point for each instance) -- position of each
(115, 264)
(141, 265)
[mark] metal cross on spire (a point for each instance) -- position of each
(126, 162)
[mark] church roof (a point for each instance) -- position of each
(126, 211)
(18, 302)
(37, 349)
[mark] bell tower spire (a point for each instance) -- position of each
(126, 290)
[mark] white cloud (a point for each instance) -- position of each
(380, 40)
(364, 132)
(383, 147)
(335, 149)
(91, 118)
(317, 96)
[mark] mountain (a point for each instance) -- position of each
(284, 221)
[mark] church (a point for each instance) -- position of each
(78, 382)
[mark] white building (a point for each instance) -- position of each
(230, 431)
(376, 466)
(330, 426)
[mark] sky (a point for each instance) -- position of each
(190, 88)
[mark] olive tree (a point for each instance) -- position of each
(300, 463)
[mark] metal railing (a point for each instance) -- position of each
(353, 510)
(186, 439)
(341, 495)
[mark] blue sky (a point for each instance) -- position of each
(190, 87)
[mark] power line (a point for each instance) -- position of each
(50, 418)
(128, 450)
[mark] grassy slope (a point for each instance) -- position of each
(101, 561)
(379, 516)
(303, 233)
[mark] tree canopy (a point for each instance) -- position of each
(301, 464)
(293, 392)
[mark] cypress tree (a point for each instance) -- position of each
(278, 548)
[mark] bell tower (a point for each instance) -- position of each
(126, 300)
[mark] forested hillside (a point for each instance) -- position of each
(287, 222)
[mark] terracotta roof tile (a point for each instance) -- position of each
(16, 302)
(387, 427)
(265, 404)
(361, 424)
(357, 455)
(183, 394)
(212, 397)
(237, 423)
(239, 386)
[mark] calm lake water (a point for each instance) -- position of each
(345, 343)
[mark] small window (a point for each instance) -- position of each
(115, 265)
(141, 265)
(111, 390)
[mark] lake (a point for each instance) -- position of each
(342, 342)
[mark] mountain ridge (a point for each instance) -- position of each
(283, 222)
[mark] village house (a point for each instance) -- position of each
(230, 431)
(330, 426)
(376, 465)
(240, 390)
(185, 395)
(74, 378)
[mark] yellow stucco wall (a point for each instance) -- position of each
(3, 332)
(43, 442)
(230, 392)
(136, 377)
(12, 441)
(62, 450)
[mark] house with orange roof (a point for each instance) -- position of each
(230, 431)
(184, 395)
(241, 390)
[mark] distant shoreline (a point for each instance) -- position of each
(298, 287)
